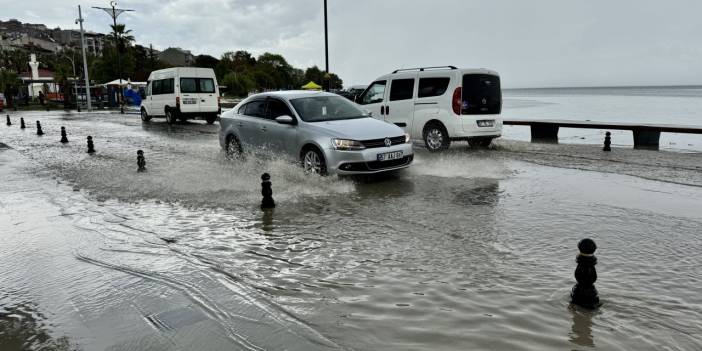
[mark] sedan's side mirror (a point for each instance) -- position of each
(285, 120)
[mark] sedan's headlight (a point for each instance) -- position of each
(345, 144)
(407, 138)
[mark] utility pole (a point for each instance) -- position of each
(114, 13)
(326, 48)
(85, 61)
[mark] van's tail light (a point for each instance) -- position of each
(456, 101)
(219, 103)
(178, 101)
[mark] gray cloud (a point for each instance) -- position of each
(531, 43)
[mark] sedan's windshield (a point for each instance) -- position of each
(325, 108)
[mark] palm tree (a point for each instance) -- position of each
(124, 37)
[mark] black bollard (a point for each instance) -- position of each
(607, 142)
(64, 138)
(91, 147)
(39, 131)
(141, 161)
(584, 293)
(22, 126)
(266, 192)
(9, 123)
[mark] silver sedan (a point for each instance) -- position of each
(325, 132)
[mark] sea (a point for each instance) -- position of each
(677, 105)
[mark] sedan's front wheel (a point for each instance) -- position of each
(233, 149)
(313, 162)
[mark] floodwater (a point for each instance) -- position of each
(471, 249)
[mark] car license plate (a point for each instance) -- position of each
(486, 123)
(390, 156)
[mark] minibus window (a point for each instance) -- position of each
(167, 86)
(188, 85)
(156, 87)
(207, 85)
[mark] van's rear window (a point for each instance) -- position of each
(197, 85)
(207, 85)
(481, 95)
(188, 85)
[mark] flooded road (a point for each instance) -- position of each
(471, 249)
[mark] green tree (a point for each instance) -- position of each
(238, 84)
(277, 68)
(240, 61)
(9, 84)
(206, 61)
(318, 76)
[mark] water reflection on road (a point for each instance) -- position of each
(465, 250)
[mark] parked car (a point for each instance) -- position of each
(325, 132)
(181, 93)
(439, 105)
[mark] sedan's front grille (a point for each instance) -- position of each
(376, 143)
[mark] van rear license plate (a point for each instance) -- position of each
(486, 123)
(390, 156)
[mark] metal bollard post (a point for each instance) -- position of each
(64, 138)
(9, 123)
(141, 161)
(39, 131)
(584, 293)
(607, 142)
(91, 147)
(22, 126)
(266, 192)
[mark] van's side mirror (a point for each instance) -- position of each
(285, 120)
(367, 113)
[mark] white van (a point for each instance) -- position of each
(181, 93)
(439, 104)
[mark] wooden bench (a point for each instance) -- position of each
(646, 136)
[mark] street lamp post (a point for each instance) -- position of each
(85, 61)
(326, 47)
(114, 13)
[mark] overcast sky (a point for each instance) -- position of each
(532, 43)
